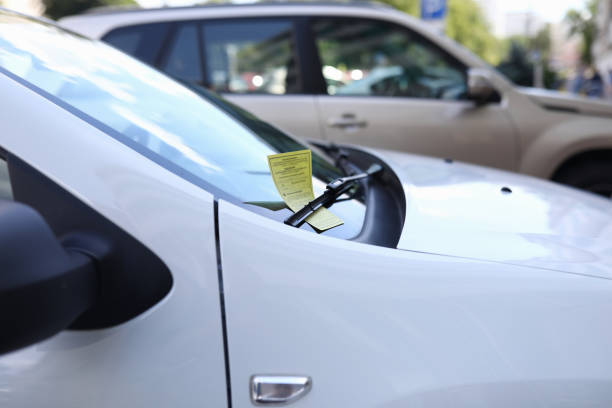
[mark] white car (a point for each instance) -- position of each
(369, 75)
(134, 273)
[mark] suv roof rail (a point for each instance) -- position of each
(348, 3)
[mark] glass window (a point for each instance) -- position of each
(367, 57)
(196, 135)
(5, 183)
(251, 56)
(126, 40)
(183, 60)
(142, 41)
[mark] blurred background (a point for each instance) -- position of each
(564, 45)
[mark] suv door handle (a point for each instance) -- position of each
(348, 120)
(278, 389)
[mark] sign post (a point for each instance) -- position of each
(433, 12)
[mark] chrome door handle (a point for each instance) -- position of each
(347, 120)
(278, 389)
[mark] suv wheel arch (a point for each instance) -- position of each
(590, 170)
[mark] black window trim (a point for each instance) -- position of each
(164, 47)
(167, 27)
(201, 43)
(314, 84)
(169, 41)
(451, 59)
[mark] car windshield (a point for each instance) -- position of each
(123, 96)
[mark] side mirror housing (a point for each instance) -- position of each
(480, 88)
(43, 286)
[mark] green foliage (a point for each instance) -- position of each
(520, 51)
(407, 6)
(583, 23)
(551, 78)
(59, 8)
(517, 66)
(466, 24)
(541, 42)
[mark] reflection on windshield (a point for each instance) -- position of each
(225, 147)
(103, 83)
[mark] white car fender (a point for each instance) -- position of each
(173, 353)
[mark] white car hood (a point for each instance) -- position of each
(565, 102)
(460, 210)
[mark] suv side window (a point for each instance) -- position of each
(5, 183)
(251, 56)
(143, 41)
(369, 57)
(183, 57)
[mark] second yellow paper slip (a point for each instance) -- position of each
(292, 175)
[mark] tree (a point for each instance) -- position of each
(466, 24)
(522, 53)
(517, 66)
(583, 23)
(541, 43)
(411, 7)
(59, 8)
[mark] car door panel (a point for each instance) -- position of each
(297, 115)
(448, 129)
(380, 327)
(172, 354)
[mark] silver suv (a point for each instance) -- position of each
(370, 75)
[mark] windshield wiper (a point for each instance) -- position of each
(333, 190)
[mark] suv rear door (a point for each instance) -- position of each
(256, 64)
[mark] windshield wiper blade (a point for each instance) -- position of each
(333, 190)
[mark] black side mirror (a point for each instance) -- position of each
(43, 286)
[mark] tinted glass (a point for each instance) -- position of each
(367, 57)
(126, 40)
(140, 106)
(183, 60)
(5, 183)
(142, 41)
(251, 56)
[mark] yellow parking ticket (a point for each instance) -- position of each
(292, 175)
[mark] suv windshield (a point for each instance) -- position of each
(135, 103)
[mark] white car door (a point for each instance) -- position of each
(380, 327)
(254, 64)
(389, 88)
(82, 175)
(170, 355)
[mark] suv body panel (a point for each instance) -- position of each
(521, 133)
